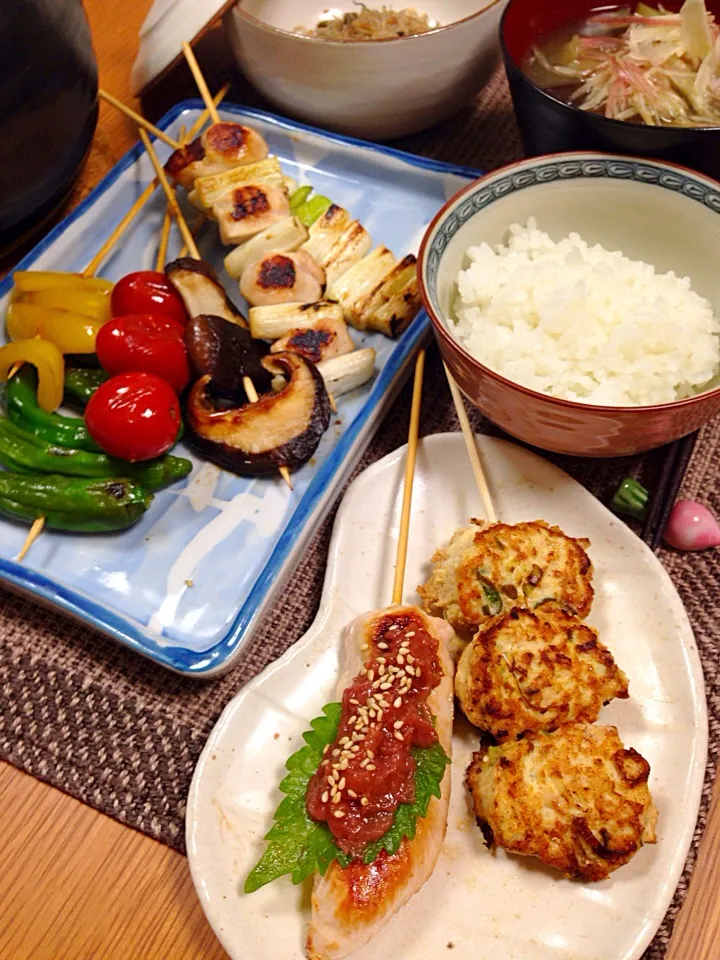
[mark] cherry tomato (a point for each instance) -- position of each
(134, 416)
(147, 291)
(144, 343)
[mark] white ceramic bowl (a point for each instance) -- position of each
(376, 89)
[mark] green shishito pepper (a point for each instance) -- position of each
(81, 384)
(25, 412)
(73, 503)
(23, 452)
(308, 208)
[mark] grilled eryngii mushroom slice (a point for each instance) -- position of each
(211, 189)
(287, 234)
(282, 278)
(201, 291)
(242, 212)
(321, 341)
(351, 370)
(277, 320)
(337, 241)
(379, 293)
(281, 429)
(223, 146)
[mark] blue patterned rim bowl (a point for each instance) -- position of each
(656, 212)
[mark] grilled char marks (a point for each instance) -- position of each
(228, 138)
(249, 201)
(310, 343)
(276, 272)
(183, 157)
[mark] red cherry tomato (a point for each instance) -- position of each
(145, 343)
(134, 416)
(147, 291)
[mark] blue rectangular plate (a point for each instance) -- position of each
(189, 583)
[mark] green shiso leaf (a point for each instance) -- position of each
(297, 845)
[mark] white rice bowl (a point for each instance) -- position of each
(584, 323)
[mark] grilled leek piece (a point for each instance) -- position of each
(337, 241)
(379, 293)
(282, 237)
(345, 373)
(277, 320)
(268, 172)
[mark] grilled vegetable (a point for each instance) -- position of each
(336, 242)
(21, 451)
(201, 291)
(265, 173)
(630, 500)
(147, 291)
(309, 211)
(282, 278)
(84, 300)
(281, 429)
(29, 281)
(24, 411)
(68, 503)
(277, 320)
(323, 340)
(81, 384)
(48, 361)
(379, 293)
(70, 332)
(298, 197)
(285, 235)
(145, 342)
(226, 353)
(345, 373)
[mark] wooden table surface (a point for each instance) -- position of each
(76, 885)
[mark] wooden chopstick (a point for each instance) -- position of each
(683, 455)
(674, 467)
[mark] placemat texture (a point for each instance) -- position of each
(123, 735)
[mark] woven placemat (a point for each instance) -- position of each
(123, 735)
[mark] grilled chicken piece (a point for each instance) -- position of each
(291, 277)
(244, 211)
(321, 341)
(221, 147)
(349, 906)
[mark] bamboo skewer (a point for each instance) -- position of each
(411, 456)
(187, 236)
(200, 81)
(92, 267)
(164, 239)
(471, 445)
(138, 119)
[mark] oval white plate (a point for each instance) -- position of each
(481, 904)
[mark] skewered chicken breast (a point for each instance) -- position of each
(282, 278)
(576, 798)
(487, 569)
(323, 340)
(242, 212)
(221, 147)
(349, 906)
(533, 670)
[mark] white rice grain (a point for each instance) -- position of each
(584, 323)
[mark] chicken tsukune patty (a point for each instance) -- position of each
(576, 798)
(533, 670)
(487, 569)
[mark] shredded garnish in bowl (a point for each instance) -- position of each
(370, 24)
(648, 66)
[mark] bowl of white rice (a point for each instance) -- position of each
(576, 300)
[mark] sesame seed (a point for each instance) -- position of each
(355, 748)
(377, 683)
(336, 753)
(398, 735)
(381, 669)
(385, 686)
(335, 774)
(410, 658)
(400, 659)
(372, 714)
(371, 754)
(344, 764)
(339, 814)
(361, 736)
(410, 633)
(382, 646)
(364, 763)
(370, 767)
(331, 781)
(324, 797)
(326, 748)
(352, 719)
(381, 660)
(341, 785)
(351, 793)
(336, 798)
(344, 741)
(364, 801)
(354, 702)
(394, 627)
(398, 724)
(411, 671)
(397, 702)
(371, 674)
(380, 715)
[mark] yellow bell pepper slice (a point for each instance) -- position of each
(89, 303)
(70, 332)
(50, 365)
(27, 281)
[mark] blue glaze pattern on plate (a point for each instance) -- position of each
(187, 585)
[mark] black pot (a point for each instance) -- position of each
(48, 109)
(548, 125)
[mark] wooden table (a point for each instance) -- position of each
(76, 885)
